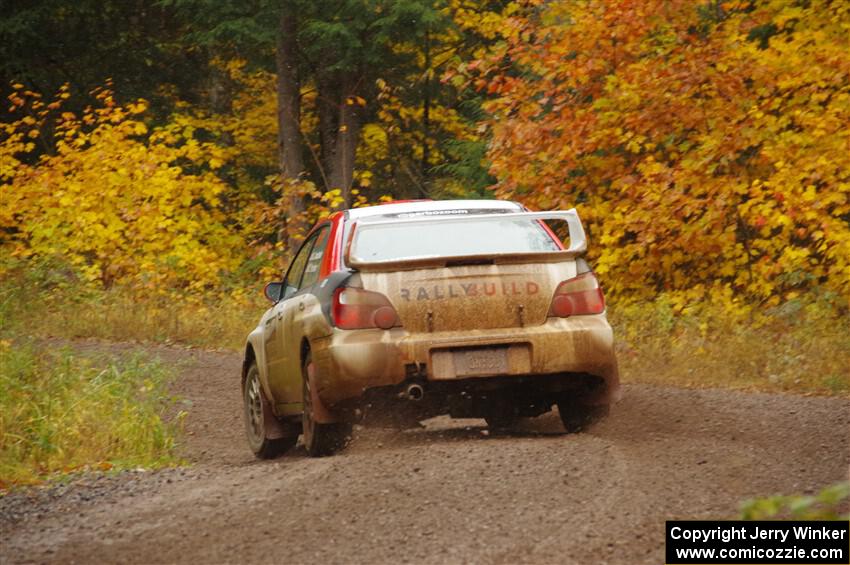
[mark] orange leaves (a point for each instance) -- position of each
(720, 151)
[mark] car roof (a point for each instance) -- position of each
(403, 209)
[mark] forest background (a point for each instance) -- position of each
(160, 160)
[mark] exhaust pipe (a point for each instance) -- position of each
(414, 392)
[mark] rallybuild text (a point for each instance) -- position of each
(743, 542)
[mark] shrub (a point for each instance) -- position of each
(825, 505)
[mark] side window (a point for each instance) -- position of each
(314, 262)
(292, 282)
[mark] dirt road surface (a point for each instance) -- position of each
(446, 493)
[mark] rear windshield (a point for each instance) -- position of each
(402, 241)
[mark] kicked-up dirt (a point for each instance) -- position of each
(449, 492)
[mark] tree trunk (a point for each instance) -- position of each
(426, 111)
(340, 120)
(289, 150)
(327, 104)
(219, 94)
(350, 121)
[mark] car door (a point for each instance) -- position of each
(276, 327)
(296, 317)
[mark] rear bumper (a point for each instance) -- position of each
(350, 362)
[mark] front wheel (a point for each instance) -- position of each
(264, 435)
(319, 439)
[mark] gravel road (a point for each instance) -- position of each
(446, 493)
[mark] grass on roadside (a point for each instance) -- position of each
(46, 300)
(118, 315)
(61, 413)
(800, 347)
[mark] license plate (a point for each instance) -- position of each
(484, 361)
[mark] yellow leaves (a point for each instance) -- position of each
(364, 179)
(114, 201)
(139, 107)
(727, 269)
(374, 143)
(486, 23)
(810, 195)
(789, 14)
(633, 146)
(333, 198)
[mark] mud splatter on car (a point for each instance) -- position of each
(404, 311)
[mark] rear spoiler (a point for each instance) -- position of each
(578, 241)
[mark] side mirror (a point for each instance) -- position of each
(272, 291)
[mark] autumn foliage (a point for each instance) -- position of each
(707, 145)
(119, 203)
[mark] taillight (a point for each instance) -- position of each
(355, 309)
(577, 296)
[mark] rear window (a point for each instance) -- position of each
(403, 241)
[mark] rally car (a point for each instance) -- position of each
(403, 311)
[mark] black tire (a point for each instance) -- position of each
(262, 430)
(577, 416)
(501, 421)
(319, 439)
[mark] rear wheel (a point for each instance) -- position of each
(319, 439)
(262, 429)
(577, 416)
(501, 415)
